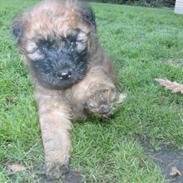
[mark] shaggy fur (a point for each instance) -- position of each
(72, 76)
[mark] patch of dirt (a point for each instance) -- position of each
(72, 177)
(168, 159)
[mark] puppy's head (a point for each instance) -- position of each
(57, 40)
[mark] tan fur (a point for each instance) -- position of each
(58, 107)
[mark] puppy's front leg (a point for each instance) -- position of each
(55, 128)
(98, 93)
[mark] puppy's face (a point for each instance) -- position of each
(59, 61)
(56, 39)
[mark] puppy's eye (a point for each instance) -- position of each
(46, 44)
(71, 40)
(81, 41)
(82, 37)
(80, 46)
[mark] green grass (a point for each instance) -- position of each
(140, 42)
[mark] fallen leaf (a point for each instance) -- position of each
(16, 168)
(175, 172)
(173, 86)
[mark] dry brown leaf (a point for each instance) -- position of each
(175, 172)
(173, 86)
(16, 168)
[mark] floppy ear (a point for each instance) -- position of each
(88, 15)
(17, 28)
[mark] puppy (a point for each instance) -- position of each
(72, 76)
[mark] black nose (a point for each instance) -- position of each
(63, 74)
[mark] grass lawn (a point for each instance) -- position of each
(144, 44)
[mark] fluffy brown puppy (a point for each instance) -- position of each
(72, 76)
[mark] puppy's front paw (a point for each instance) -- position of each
(105, 102)
(55, 170)
(58, 173)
